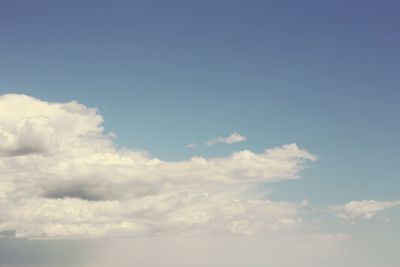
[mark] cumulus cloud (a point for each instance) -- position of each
(176, 211)
(63, 177)
(364, 209)
(233, 138)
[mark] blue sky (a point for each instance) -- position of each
(321, 74)
(163, 74)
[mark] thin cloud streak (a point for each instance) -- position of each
(231, 139)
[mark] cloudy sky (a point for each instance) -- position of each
(199, 133)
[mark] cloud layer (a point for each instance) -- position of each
(62, 177)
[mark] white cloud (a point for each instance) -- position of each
(364, 209)
(191, 145)
(62, 177)
(170, 211)
(233, 138)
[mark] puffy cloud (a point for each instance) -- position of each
(233, 138)
(62, 177)
(171, 211)
(30, 126)
(30, 135)
(364, 209)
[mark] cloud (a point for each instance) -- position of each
(29, 126)
(233, 138)
(191, 145)
(174, 211)
(364, 209)
(63, 177)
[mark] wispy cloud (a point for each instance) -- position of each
(191, 145)
(233, 138)
(364, 209)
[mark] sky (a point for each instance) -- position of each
(175, 128)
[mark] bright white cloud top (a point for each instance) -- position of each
(233, 138)
(63, 177)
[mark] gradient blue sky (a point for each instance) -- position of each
(322, 74)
